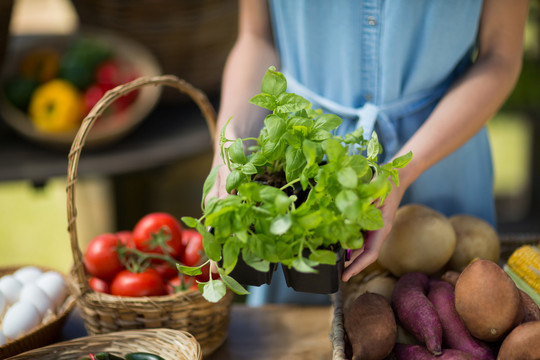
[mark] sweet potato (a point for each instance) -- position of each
(415, 312)
(455, 334)
(450, 277)
(531, 310)
(418, 352)
(371, 327)
(487, 300)
(523, 343)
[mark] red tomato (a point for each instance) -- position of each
(193, 248)
(114, 72)
(99, 285)
(146, 283)
(101, 259)
(151, 225)
(126, 237)
(165, 270)
(174, 285)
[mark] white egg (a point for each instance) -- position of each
(10, 287)
(27, 274)
(3, 339)
(33, 294)
(53, 284)
(20, 319)
(2, 303)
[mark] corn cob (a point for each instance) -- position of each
(525, 262)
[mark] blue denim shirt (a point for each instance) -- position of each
(383, 65)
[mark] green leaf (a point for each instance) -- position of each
(334, 150)
(320, 135)
(254, 261)
(289, 102)
(248, 169)
(275, 127)
(273, 150)
(281, 225)
(214, 290)
(234, 179)
(190, 270)
(327, 122)
(232, 283)
(347, 177)
(348, 203)
(371, 219)
(236, 152)
(209, 183)
(266, 101)
(189, 221)
(301, 265)
(402, 161)
(310, 151)
(231, 250)
(311, 220)
(273, 82)
(212, 248)
(374, 148)
(323, 256)
(295, 161)
(257, 159)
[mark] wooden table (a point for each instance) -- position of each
(269, 332)
(277, 332)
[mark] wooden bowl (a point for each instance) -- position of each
(110, 128)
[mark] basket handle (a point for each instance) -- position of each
(74, 154)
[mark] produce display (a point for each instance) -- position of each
(57, 89)
(142, 261)
(481, 310)
(29, 297)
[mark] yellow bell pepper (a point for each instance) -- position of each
(56, 106)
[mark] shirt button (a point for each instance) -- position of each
(371, 21)
(368, 97)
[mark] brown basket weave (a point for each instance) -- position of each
(41, 335)
(509, 243)
(191, 39)
(167, 343)
(103, 313)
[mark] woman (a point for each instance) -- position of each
(425, 74)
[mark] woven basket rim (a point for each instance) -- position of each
(177, 343)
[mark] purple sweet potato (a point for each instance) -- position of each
(419, 352)
(371, 327)
(531, 310)
(455, 334)
(415, 312)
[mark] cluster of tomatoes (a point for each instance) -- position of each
(142, 262)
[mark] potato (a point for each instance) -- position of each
(487, 300)
(421, 240)
(371, 327)
(522, 343)
(475, 238)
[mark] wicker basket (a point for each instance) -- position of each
(167, 343)
(103, 313)
(191, 39)
(44, 334)
(509, 243)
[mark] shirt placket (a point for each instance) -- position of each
(371, 31)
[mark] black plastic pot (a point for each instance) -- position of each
(325, 281)
(246, 275)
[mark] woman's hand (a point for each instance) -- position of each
(368, 254)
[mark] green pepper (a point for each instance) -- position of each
(19, 91)
(143, 356)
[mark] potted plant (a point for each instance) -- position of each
(300, 194)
